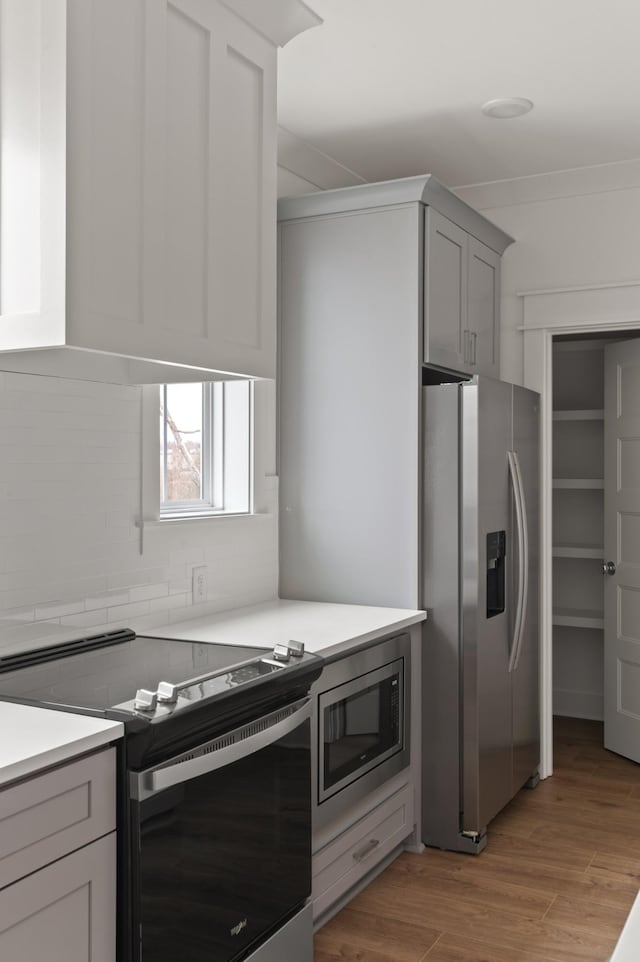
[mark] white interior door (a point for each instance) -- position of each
(622, 549)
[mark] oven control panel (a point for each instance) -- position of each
(173, 695)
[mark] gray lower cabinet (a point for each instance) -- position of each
(58, 864)
(50, 815)
(66, 911)
(355, 852)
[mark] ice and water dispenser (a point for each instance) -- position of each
(496, 557)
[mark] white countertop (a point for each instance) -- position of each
(35, 738)
(325, 629)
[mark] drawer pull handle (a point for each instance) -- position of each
(366, 849)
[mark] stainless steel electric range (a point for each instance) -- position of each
(214, 788)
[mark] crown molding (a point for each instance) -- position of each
(578, 182)
(277, 20)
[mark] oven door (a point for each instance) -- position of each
(224, 841)
(360, 726)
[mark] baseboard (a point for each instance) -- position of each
(578, 704)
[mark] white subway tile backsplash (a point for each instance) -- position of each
(141, 576)
(107, 599)
(70, 556)
(149, 592)
(17, 615)
(170, 601)
(58, 610)
(35, 635)
(126, 612)
(121, 519)
(154, 620)
(188, 556)
(87, 619)
(179, 586)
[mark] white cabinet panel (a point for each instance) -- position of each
(174, 155)
(140, 145)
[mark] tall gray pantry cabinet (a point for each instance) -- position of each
(375, 282)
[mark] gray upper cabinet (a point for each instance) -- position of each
(461, 299)
(483, 309)
(445, 301)
(456, 304)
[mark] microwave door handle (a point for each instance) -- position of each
(514, 474)
(151, 782)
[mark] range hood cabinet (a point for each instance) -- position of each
(138, 186)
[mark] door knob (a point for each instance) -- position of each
(608, 568)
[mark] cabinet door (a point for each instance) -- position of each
(445, 334)
(483, 318)
(171, 184)
(65, 912)
(44, 817)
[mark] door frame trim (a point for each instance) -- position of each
(603, 308)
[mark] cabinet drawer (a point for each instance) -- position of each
(66, 912)
(53, 814)
(346, 860)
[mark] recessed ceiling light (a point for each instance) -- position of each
(506, 107)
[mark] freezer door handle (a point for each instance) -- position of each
(523, 555)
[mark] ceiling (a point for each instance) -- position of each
(392, 88)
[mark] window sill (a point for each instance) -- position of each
(193, 518)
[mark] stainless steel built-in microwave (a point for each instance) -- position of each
(362, 724)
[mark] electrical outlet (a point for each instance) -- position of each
(199, 586)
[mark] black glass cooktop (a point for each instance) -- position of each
(104, 672)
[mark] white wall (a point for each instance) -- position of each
(572, 229)
(70, 550)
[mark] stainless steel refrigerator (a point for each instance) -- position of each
(481, 573)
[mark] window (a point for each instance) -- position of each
(205, 448)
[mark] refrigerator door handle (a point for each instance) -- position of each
(523, 552)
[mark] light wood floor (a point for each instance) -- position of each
(554, 884)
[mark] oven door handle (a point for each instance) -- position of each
(148, 783)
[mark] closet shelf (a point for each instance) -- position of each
(579, 415)
(584, 483)
(578, 551)
(578, 618)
